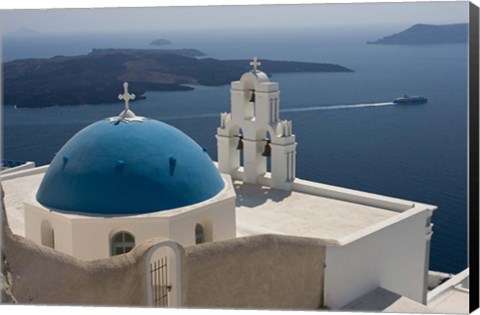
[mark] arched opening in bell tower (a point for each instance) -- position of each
(266, 149)
(249, 98)
(249, 107)
(239, 134)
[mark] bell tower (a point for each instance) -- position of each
(253, 133)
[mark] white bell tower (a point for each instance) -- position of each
(253, 132)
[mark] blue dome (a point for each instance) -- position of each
(127, 168)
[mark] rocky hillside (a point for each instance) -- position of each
(424, 34)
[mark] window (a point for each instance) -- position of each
(122, 242)
(199, 234)
(47, 234)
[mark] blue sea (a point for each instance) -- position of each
(348, 132)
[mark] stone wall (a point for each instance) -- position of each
(256, 272)
(43, 276)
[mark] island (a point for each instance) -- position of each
(160, 42)
(425, 34)
(97, 77)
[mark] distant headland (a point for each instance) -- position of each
(425, 34)
(160, 42)
(97, 77)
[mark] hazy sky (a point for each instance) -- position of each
(221, 17)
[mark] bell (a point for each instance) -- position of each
(252, 97)
(267, 152)
(240, 143)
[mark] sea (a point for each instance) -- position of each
(349, 132)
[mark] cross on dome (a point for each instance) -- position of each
(126, 96)
(126, 115)
(255, 63)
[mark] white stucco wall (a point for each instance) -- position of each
(91, 237)
(218, 221)
(393, 257)
(62, 227)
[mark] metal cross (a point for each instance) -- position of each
(126, 96)
(255, 63)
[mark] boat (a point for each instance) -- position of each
(410, 100)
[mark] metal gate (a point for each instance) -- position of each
(164, 275)
(159, 282)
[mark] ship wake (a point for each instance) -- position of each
(287, 110)
(332, 107)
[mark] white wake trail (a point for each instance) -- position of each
(286, 110)
(314, 108)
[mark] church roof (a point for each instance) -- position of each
(128, 165)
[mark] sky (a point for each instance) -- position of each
(225, 17)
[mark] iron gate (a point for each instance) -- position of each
(159, 282)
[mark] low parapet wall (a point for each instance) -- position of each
(337, 193)
(24, 172)
(256, 272)
(344, 194)
(21, 167)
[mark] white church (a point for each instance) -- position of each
(128, 179)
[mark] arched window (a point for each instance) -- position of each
(199, 234)
(122, 242)
(47, 234)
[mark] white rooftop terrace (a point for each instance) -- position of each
(17, 190)
(333, 214)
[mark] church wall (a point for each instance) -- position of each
(91, 240)
(256, 272)
(218, 220)
(92, 237)
(62, 228)
(392, 258)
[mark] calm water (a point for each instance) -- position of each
(416, 152)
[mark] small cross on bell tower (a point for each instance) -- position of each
(255, 63)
